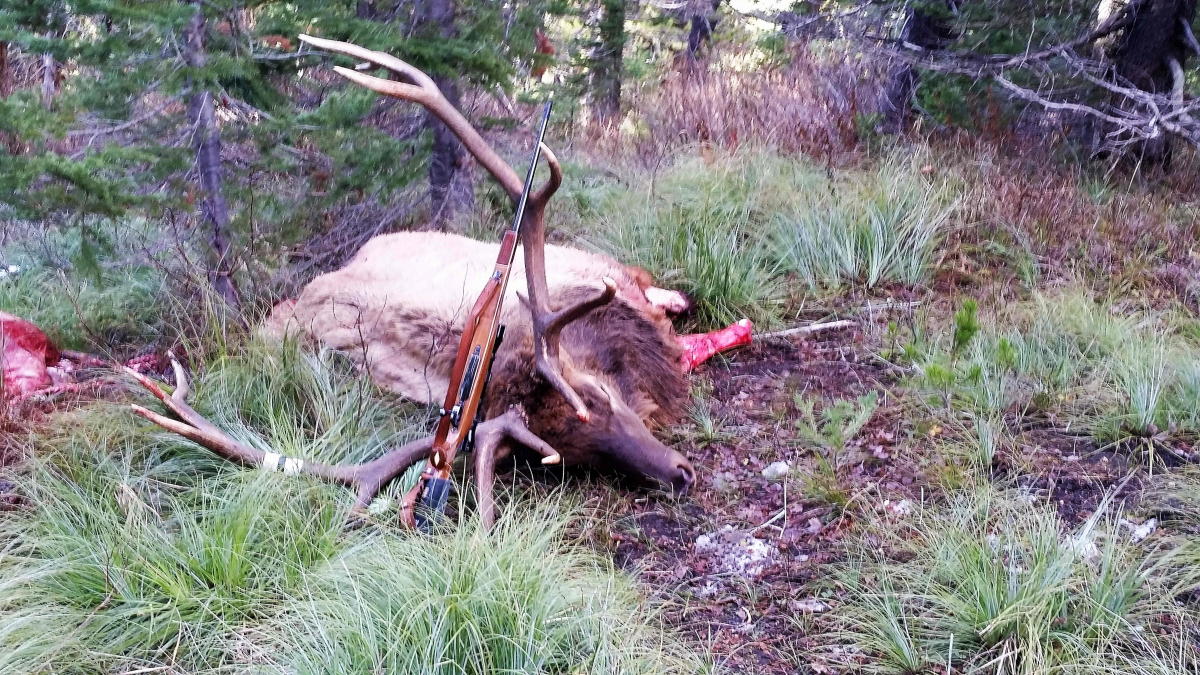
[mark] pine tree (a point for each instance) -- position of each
(154, 99)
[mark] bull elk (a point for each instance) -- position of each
(589, 365)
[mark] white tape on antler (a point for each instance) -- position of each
(271, 462)
(293, 466)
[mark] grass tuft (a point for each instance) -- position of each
(80, 313)
(739, 232)
(521, 599)
(875, 231)
(991, 584)
(699, 229)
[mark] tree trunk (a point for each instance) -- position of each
(607, 62)
(47, 79)
(923, 30)
(206, 140)
(365, 9)
(450, 188)
(701, 30)
(5, 72)
(1144, 55)
(9, 140)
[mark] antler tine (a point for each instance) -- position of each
(182, 388)
(547, 329)
(489, 438)
(544, 193)
(367, 479)
(426, 93)
(548, 324)
(380, 59)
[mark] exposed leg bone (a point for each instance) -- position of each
(699, 347)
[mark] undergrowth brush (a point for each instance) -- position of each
(801, 100)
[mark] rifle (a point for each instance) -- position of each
(481, 339)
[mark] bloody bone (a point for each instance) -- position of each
(25, 351)
(699, 347)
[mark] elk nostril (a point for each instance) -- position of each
(686, 476)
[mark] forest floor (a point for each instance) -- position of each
(1068, 404)
(742, 562)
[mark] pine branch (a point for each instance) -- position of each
(107, 131)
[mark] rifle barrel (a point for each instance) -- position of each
(537, 155)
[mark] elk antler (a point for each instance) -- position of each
(366, 479)
(547, 323)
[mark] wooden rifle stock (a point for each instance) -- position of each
(472, 365)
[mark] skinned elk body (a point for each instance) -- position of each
(589, 364)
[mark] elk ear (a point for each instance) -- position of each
(640, 276)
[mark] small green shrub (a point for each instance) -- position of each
(840, 421)
(709, 427)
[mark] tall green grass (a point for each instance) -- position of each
(140, 571)
(875, 230)
(124, 306)
(740, 233)
(701, 228)
(143, 551)
(522, 599)
(317, 406)
(1107, 370)
(990, 584)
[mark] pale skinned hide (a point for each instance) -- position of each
(403, 298)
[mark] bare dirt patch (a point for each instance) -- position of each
(741, 564)
(737, 560)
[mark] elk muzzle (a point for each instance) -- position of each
(626, 443)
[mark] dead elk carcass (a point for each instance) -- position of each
(588, 367)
